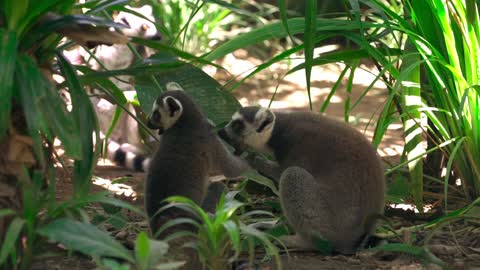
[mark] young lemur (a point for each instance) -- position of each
(189, 152)
(330, 178)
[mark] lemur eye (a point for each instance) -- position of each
(156, 116)
(124, 20)
(237, 126)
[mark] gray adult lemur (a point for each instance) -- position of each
(331, 181)
(189, 152)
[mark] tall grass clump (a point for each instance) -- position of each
(438, 77)
(221, 237)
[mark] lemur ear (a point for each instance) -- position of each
(173, 105)
(172, 86)
(265, 117)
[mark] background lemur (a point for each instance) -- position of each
(126, 145)
(331, 181)
(189, 152)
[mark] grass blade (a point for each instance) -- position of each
(13, 232)
(309, 42)
(8, 55)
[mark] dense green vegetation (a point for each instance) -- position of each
(426, 52)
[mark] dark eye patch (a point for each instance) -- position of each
(156, 116)
(238, 126)
(124, 20)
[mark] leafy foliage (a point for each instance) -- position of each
(221, 236)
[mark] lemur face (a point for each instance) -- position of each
(249, 127)
(165, 113)
(138, 26)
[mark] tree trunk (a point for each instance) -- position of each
(17, 155)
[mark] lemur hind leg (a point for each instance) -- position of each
(214, 192)
(305, 208)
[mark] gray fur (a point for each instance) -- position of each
(330, 177)
(188, 153)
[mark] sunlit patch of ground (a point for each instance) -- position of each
(290, 93)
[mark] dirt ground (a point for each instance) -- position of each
(457, 244)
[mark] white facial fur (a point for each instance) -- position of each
(250, 136)
(166, 119)
(139, 27)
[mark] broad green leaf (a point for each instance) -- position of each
(165, 48)
(217, 103)
(410, 95)
(44, 109)
(322, 245)
(8, 54)
(85, 238)
(85, 117)
(38, 8)
(102, 197)
(11, 238)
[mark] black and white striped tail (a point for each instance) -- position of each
(125, 155)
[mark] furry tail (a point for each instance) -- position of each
(128, 156)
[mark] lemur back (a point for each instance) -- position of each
(331, 181)
(188, 153)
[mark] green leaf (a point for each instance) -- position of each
(14, 12)
(277, 30)
(39, 8)
(85, 238)
(11, 238)
(284, 16)
(410, 95)
(233, 231)
(6, 212)
(114, 265)
(256, 177)
(343, 56)
(103, 5)
(8, 53)
(323, 246)
(165, 48)
(44, 109)
(217, 103)
(309, 41)
(85, 117)
(282, 56)
(158, 249)
(102, 197)
(142, 251)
